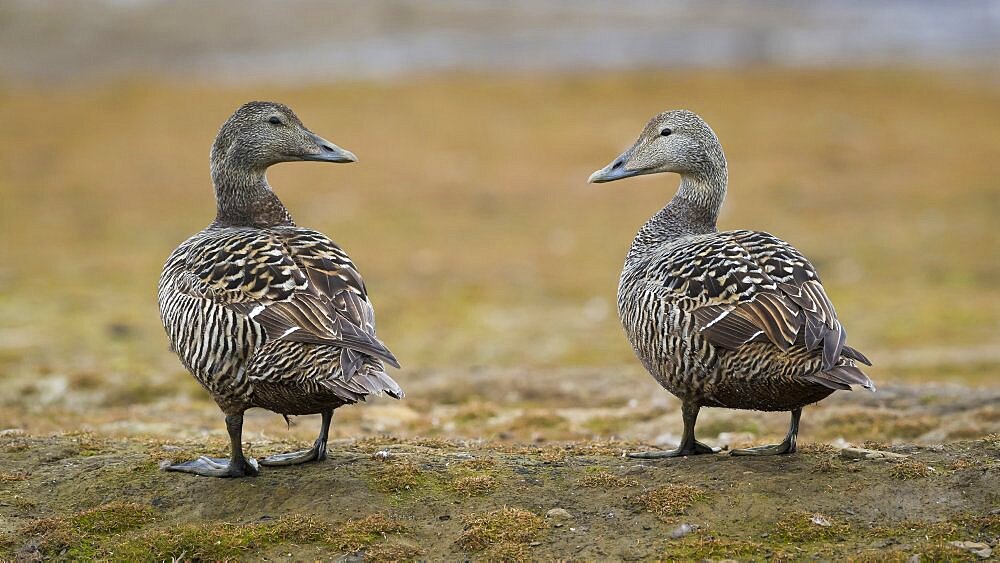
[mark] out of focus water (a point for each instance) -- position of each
(321, 40)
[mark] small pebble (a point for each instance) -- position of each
(560, 513)
(979, 549)
(681, 531)
(862, 453)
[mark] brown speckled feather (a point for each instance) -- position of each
(744, 286)
(296, 283)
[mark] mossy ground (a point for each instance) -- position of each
(419, 503)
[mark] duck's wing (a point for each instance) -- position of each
(750, 286)
(296, 283)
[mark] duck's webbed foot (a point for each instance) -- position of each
(787, 446)
(696, 448)
(316, 453)
(236, 466)
(689, 446)
(217, 467)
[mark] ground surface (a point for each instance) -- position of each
(85, 494)
(439, 499)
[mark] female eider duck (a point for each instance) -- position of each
(735, 319)
(265, 313)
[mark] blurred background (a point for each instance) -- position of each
(864, 133)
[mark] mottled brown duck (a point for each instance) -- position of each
(265, 313)
(734, 319)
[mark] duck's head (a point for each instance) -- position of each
(676, 141)
(260, 134)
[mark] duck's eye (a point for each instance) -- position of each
(274, 120)
(666, 132)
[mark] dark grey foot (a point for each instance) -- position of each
(217, 467)
(685, 450)
(786, 447)
(316, 453)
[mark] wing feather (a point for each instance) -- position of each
(746, 286)
(296, 283)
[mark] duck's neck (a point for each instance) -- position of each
(244, 198)
(694, 210)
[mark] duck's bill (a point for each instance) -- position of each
(329, 152)
(615, 170)
(607, 174)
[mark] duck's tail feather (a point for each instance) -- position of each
(841, 378)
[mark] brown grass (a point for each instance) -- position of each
(669, 500)
(601, 478)
(500, 529)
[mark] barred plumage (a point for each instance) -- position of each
(265, 313)
(735, 319)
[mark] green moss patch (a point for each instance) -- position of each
(121, 531)
(394, 477)
(474, 485)
(601, 478)
(392, 551)
(220, 540)
(961, 527)
(357, 534)
(909, 469)
(507, 551)
(504, 526)
(81, 534)
(477, 464)
(227, 541)
(933, 551)
(477, 477)
(801, 527)
(669, 500)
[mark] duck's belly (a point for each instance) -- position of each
(287, 377)
(293, 398)
(758, 376)
(768, 394)
(665, 340)
(212, 342)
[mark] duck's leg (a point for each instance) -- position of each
(688, 445)
(787, 446)
(316, 453)
(235, 466)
